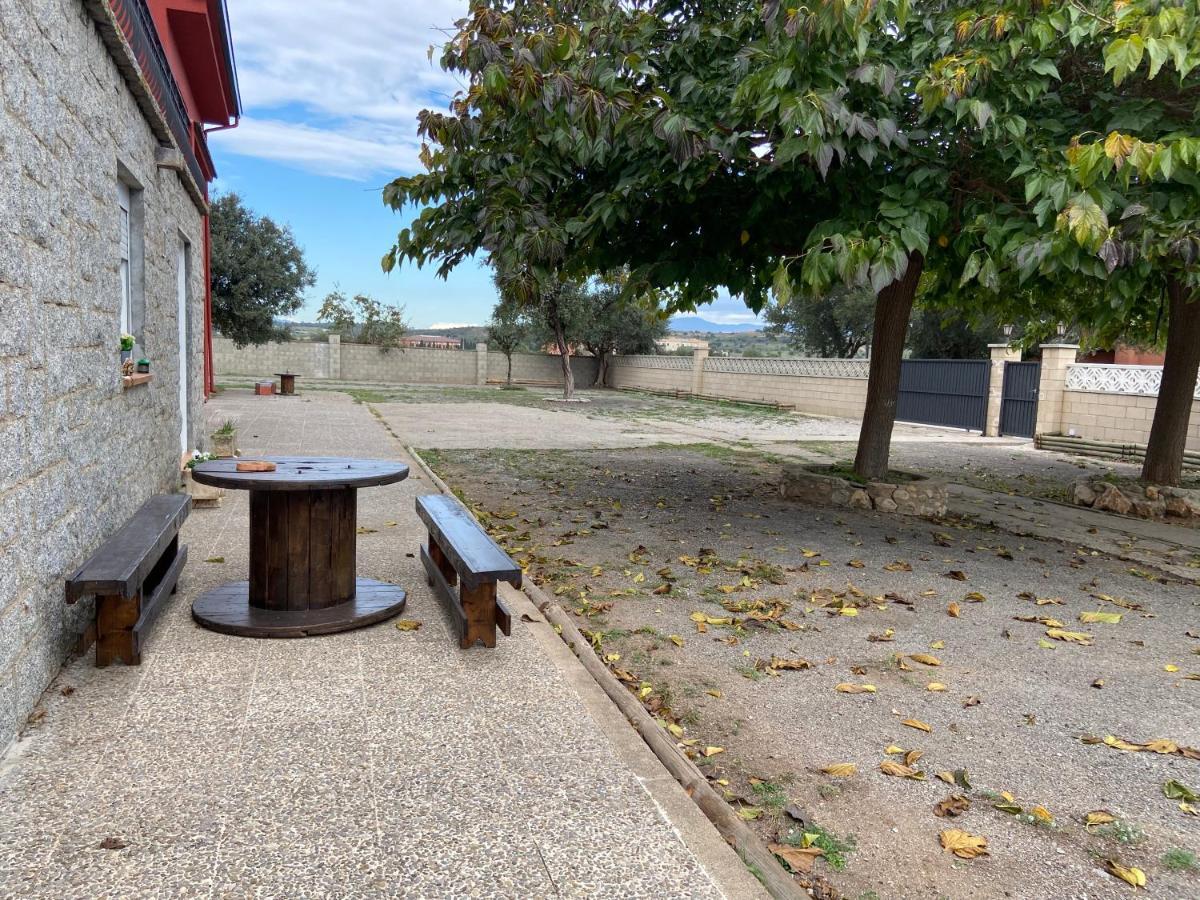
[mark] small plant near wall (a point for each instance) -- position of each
(127, 341)
(224, 439)
(197, 458)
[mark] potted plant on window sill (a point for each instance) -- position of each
(224, 440)
(127, 341)
(200, 493)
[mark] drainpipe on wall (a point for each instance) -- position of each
(209, 377)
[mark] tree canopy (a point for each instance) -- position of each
(836, 324)
(873, 144)
(258, 273)
(364, 319)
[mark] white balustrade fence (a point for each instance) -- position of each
(655, 362)
(814, 368)
(1141, 381)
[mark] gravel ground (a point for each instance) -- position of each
(1016, 702)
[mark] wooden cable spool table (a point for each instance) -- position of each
(287, 383)
(303, 535)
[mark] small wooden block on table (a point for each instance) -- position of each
(131, 575)
(461, 554)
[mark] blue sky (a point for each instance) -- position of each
(331, 92)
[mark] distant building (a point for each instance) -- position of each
(431, 342)
(673, 343)
(1124, 355)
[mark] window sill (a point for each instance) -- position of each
(129, 381)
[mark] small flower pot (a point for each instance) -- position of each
(126, 355)
(223, 445)
(143, 367)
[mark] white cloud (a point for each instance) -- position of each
(342, 154)
(335, 87)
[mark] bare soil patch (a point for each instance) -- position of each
(778, 641)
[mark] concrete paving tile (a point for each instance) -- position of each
(284, 701)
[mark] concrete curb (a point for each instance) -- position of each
(700, 836)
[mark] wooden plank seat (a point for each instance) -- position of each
(461, 554)
(131, 575)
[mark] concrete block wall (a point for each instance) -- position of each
(641, 378)
(363, 362)
(366, 363)
(818, 395)
(308, 359)
(78, 452)
(1123, 418)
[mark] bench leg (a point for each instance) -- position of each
(115, 640)
(443, 564)
(479, 607)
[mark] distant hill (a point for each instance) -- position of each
(695, 323)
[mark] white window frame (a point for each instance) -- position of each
(125, 266)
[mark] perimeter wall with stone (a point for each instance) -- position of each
(1115, 404)
(79, 452)
(338, 360)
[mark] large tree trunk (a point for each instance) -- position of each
(1168, 434)
(893, 308)
(564, 355)
(602, 369)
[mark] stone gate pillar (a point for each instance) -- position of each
(1056, 358)
(1001, 354)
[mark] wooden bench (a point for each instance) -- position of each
(460, 553)
(131, 576)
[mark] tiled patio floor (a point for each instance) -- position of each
(372, 763)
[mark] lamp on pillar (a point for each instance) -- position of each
(1007, 329)
(1061, 334)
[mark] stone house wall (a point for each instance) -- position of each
(78, 452)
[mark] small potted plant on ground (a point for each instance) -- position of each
(224, 440)
(126, 347)
(200, 493)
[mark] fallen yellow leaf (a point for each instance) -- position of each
(407, 625)
(897, 770)
(937, 645)
(954, 610)
(1129, 874)
(975, 597)
(1091, 618)
(675, 639)
(964, 845)
(1070, 637)
(840, 770)
(713, 751)
(848, 611)
(1042, 814)
(935, 686)
(848, 688)
(925, 659)
(1169, 667)
(918, 724)
(1098, 817)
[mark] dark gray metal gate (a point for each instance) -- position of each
(1019, 403)
(950, 392)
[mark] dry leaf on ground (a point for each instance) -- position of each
(1129, 874)
(840, 770)
(925, 659)
(897, 770)
(408, 625)
(954, 610)
(1098, 817)
(799, 859)
(1070, 637)
(952, 806)
(964, 845)
(1091, 618)
(849, 688)
(918, 724)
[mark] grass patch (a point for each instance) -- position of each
(836, 848)
(1179, 860)
(770, 794)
